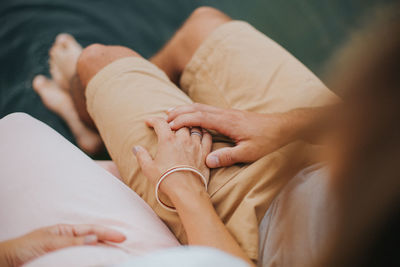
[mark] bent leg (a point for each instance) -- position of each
(176, 54)
(125, 90)
(45, 180)
(89, 63)
(236, 66)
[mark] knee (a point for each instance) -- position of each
(203, 15)
(96, 56)
(202, 22)
(90, 53)
(87, 62)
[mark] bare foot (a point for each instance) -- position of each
(64, 55)
(60, 102)
(53, 97)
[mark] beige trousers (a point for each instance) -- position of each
(236, 67)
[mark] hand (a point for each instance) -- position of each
(175, 148)
(18, 251)
(201, 223)
(255, 135)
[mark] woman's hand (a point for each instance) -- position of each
(19, 251)
(175, 148)
(255, 134)
(196, 212)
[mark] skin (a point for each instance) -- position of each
(185, 190)
(18, 251)
(177, 53)
(254, 134)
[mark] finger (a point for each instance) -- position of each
(59, 242)
(145, 161)
(183, 133)
(65, 235)
(102, 233)
(226, 156)
(174, 112)
(160, 126)
(197, 134)
(203, 120)
(206, 142)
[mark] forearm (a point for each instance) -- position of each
(201, 222)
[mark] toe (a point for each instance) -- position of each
(65, 40)
(40, 81)
(55, 72)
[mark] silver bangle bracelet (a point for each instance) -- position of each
(172, 170)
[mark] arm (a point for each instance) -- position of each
(308, 124)
(201, 222)
(254, 134)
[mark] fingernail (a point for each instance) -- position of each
(214, 161)
(171, 124)
(170, 109)
(135, 149)
(90, 239)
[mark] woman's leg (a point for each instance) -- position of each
(45, 180)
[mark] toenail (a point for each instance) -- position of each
(61, 39)
(39, 79)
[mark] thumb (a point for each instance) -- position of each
(144, 159)
(226, 156)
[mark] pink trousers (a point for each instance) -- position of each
(45, 180)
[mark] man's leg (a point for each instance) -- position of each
(56, 92)
(122, 90)
(96, 56)
(89, 63)
(235, 66)
(176, 54)
(65, 94)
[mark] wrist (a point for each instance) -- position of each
(287, 125)
(296, 123)
(180, 186)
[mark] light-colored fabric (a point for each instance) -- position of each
(45, 180)
(186, 256)
(295, 227)
(236, 67)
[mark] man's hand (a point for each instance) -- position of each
(19, 251)
(255, 134)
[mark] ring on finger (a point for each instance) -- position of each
(193, 132)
